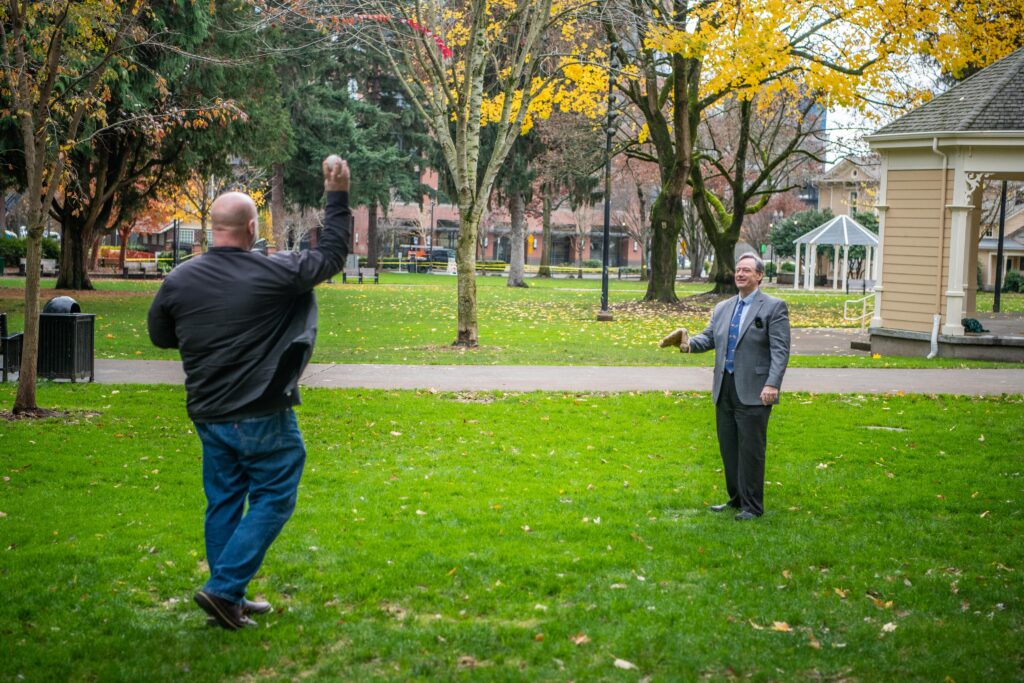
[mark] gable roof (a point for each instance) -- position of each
(839, 230)
(853, 169)
(990, 100)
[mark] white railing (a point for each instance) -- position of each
(865, 311)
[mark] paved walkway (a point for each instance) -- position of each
(597, 378)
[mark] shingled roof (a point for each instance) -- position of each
(990, 100)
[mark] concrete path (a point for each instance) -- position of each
(597, 378)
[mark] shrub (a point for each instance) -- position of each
(592, 263)
(51, 248)
(1014, 282)
(788, 267)
(770, 269)
(12, 249)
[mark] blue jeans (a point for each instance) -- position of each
(259, 459)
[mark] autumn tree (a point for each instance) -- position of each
(633, 191)
(54, 59)
(465, 65)
(683, 58)
(750, 150)
(572, 153)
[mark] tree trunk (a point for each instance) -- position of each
(76, 238)
(517, 263)
(665, 226)
(121, 253)
(465, 260)
(94, 250)
(579, 256)
(545, 238)
(696, 256)
(725, 265)
(371, 236)
(644, 273)
(277, 218)
(25, 400)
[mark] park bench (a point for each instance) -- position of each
(140, 269)
(862, 286)
(10, 349)
(359, 274)
(47, 267)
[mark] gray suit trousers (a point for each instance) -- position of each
(742, 436)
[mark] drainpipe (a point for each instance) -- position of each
(934, 347)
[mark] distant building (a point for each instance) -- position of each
(850, 185)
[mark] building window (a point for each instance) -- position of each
(636, 246)
(853, 199)
(534, 242)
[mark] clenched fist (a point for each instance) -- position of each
(679, 338)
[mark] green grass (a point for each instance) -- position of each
(412, 319)
(438, 529)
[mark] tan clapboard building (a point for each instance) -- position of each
(934, 162)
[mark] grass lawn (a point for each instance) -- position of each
(534, 536)
(412, 319)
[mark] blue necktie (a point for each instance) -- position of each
(734, 336)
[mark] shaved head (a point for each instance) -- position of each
(233, 216)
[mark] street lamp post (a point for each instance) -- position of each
(604, 314)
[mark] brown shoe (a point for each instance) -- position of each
(227, 614)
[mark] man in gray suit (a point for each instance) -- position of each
(751, 333)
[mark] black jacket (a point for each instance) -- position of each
(246, 323)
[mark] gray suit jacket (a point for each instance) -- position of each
(762, 351)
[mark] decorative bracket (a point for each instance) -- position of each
(973, 178)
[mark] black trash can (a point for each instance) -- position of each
(66, 341)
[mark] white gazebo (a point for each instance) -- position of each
(841, 231)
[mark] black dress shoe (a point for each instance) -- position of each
(227, 614)
(721, 508)
(744, 516)
(256, 607)
(246, 621)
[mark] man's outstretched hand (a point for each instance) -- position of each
(679, 338)
(336, 174)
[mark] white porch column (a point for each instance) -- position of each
(957, 269)
(846, 264)
(796, 271)
(876, 318)
(867, 263)
(835, 267)
(812, 265)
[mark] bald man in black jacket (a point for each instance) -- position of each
(245, 325)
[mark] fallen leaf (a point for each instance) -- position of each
(785, 574)
(889, 627)
(539, 638)
(467, 662)
(984, 514)
(396, 433)
(757, 627)
(781, 626)
(623, 664)
(840, 592)
(579, 639)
